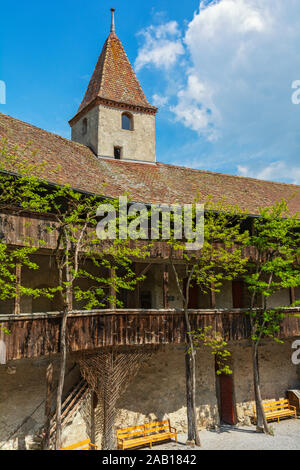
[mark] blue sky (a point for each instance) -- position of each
(221, 72)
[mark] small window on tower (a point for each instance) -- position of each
(84, 126)
(117, 152)
(127, 122)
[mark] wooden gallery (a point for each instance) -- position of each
(133, 350)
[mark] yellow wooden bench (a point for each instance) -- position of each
(82, 445)
(277, 409)
(145, 434)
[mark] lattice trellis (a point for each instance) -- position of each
(108, 373)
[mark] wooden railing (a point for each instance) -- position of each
(34, 335)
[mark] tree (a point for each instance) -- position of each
(20, 191)
(275, 237)
(80, 255)
(216, 343)
(220, 258)
(104, 265)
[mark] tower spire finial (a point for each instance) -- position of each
(112, 26)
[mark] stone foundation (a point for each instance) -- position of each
(157, 392)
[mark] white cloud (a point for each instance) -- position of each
(162, 45)
(195, 107)
(234, 90)
(229, 32)
(159, 100)
(278, 170)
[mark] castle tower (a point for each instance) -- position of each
(115, 119)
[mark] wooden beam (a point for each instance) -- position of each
(17, 303)
(94, 403)
(135, 297)
(166, 286)
(292, 295)
(112, 290)
(136, 294)
(124, 328)
(212, 297)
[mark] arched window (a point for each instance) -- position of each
(127, 122)
(84, 126)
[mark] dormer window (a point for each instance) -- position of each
(127, 122)
(84, 126)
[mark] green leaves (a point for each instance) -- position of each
(276, 240)
(221, 257)
(83, 261)
(5, 330)
(205, 337)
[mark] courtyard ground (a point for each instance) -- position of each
(286, 437)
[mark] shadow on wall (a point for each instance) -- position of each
(22, 398)
(159, 390)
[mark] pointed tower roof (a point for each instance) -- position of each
(114, 80)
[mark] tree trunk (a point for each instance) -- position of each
(61, 379)
(189, 396)
(261, 421)
(190, 364)
(49, 385)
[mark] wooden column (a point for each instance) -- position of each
(94, 403)
(292, 295)
(212, 297)
(49, 390)
(136, 293)
(112, 290)
(135, 297)
(17, 304)
(166, 286)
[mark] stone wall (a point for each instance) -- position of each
(156, 392)
(138, 144)
(104, 132)
(91, 137)
(278, 374)
(22, 399)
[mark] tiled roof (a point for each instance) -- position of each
(114, 79)
(157, 183)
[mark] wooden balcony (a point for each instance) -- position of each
(34, 335)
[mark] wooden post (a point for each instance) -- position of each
(136, 292)
(112, 290)
(212, 297)
(94, 403)
(166, 287)
(49, 390)
(135, 298)
(17, 305)
(292, 295)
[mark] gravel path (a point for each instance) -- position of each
(286, 437)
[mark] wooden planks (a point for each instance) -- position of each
(277, 409)
(82, 445)
(145, 434)
(35, 335)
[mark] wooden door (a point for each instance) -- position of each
(227, 411)
(237, 294)
(193, 295)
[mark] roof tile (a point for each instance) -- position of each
(156, 183)
(114, 79)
